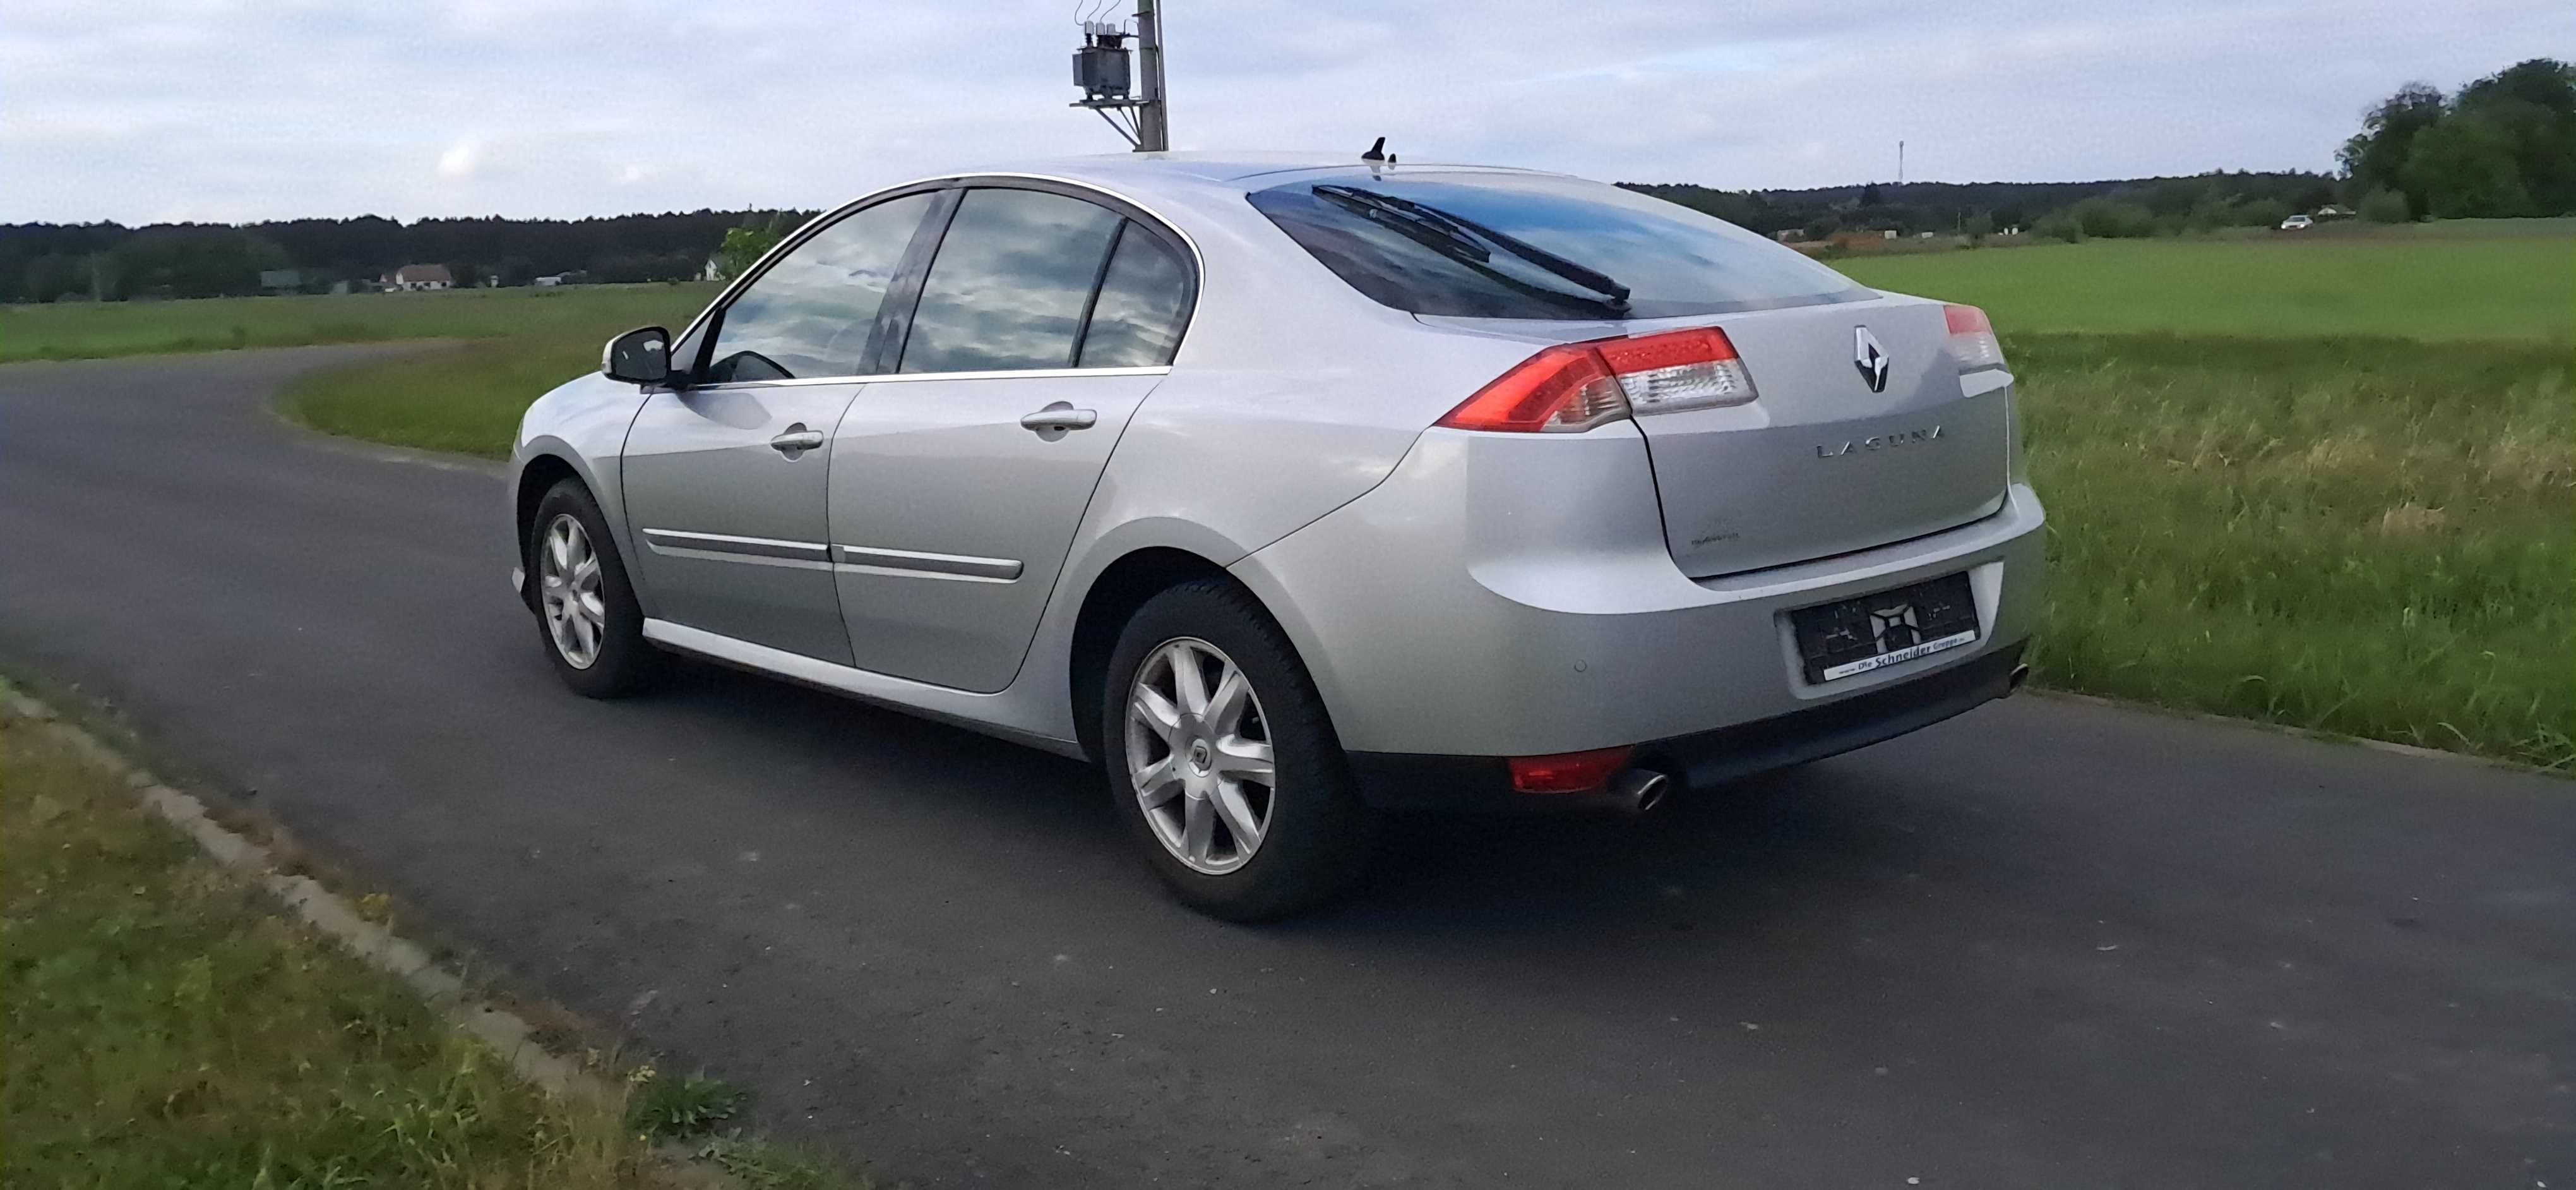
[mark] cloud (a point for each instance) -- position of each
(234, 109)
(461, 159)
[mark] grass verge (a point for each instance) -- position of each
(165, 1027)
(97, 330)
(2364, 536)
(2437, 281)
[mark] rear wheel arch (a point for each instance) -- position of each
(1111, 601)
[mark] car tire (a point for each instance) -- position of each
(587, 616)
(1314, 833)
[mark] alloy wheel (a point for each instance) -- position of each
(568, 590)
(1198, 755)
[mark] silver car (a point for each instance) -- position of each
(1293, 491)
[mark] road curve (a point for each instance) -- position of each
(2046, 944)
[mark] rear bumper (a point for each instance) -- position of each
(1500, 598)
(1702, 759)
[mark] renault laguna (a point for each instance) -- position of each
(1297, 491)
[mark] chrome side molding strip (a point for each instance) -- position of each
(673, 540)
(923, 565)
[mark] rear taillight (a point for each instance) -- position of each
(1972, 339)
(1575, 386)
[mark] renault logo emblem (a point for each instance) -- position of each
(1870, 358)
(1893, 628)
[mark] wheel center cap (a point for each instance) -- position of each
(1200, 756)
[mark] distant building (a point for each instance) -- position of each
(419, 276)
(281, 280)
(547, 282)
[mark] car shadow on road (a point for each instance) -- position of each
(1738, 859)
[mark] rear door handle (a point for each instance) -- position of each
(1059, 417)
(796, 441)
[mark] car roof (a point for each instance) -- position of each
(1151, 169)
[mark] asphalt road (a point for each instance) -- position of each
(2045, 944)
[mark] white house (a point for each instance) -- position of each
(419, 276)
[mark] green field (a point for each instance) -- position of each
(2328, 482)
(93, 330)
(2482, 279)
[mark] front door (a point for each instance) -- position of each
(957, 484)
(727, 476)
(725, 490)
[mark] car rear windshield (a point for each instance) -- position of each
(1502, 245)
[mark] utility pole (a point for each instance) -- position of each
(1900, 163)
(1100, 69)
(1153, 124)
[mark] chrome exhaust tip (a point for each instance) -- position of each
(1640, 790)
(2020, 674)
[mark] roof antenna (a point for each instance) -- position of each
(1377, 152)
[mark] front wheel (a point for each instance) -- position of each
(1223, 762)
(586, 611)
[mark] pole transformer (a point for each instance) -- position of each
(1100, 68)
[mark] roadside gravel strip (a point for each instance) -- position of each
(445, 989)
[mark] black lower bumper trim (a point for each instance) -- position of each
(1416, 781)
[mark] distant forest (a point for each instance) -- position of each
(2200, 201)
(43, 262)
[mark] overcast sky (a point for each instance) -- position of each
(239, 110)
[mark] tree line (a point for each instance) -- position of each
(2502, 146)
(43, 262)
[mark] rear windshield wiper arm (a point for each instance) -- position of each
(1458, 228)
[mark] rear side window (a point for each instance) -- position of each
(1495, 245)
(1137, 320)
(1007, 289)
(811, 313)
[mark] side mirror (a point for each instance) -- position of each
(640, 356)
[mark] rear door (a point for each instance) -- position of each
(726, 479)
(1044, 319)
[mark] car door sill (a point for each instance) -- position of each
(902, 694)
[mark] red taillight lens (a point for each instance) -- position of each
(1576, 386)
(1560, 390)
(1569, 772)
(1972, 339)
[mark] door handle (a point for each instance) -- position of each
(1059, 417)
(796, 441)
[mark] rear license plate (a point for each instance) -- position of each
(1855, 636)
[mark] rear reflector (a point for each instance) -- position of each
(1573, 387)
(1569, 772)
(1972, 339)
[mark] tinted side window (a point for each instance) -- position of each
(1007, 288)
(1137, 321)
(811, 313)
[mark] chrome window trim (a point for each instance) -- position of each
(795, 239)
(907, 377)
(918, 564)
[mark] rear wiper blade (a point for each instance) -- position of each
(1464, 232)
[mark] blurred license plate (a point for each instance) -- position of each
(1855, 636)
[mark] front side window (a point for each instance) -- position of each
(1007, 289)
(1500, 245)
(1136, 321)
(811, 313)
